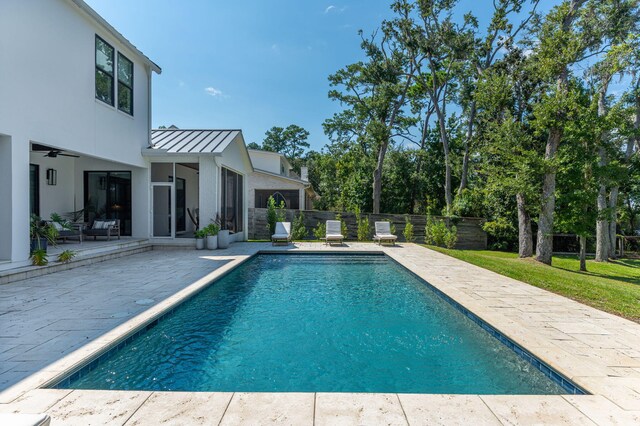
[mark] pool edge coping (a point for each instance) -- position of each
(35, 381)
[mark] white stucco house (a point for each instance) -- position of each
(273, 176)
(75, 134)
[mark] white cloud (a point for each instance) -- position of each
(329, 9)
(212, 91)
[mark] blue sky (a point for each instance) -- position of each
(249, 64)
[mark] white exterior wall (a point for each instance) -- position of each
(259, 180)
(47, 87)
(270, 162)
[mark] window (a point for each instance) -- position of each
(125, 84)
(104, 71)
(291, 198)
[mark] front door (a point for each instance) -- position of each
(161, 211)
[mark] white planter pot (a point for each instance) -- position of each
(212, 242)
(223, 239)
(199, 243)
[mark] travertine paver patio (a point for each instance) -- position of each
(44, 319)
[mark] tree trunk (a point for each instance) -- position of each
(583, 253)
(377, 177)
(467, 148)
(613, 216)
(447, 164)
(544, 247)
(525, 236)
(602, 227)
(603, 244)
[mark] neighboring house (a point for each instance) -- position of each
(273, 176)
(75, 132)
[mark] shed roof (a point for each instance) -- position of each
(192, 141)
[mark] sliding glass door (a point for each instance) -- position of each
(232, 200)
(107, 195)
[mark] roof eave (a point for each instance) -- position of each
(107, 26)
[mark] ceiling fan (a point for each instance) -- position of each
(51, 152)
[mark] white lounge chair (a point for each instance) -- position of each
(383, 233)
(282, 233)
(333, 232)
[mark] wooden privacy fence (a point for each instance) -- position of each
(470, 232)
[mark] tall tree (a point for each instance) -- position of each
(290, 142)
(438, 47)
(374, 92)
(500, 36)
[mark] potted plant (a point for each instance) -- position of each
(211, 231)
(41, 234)
(199, 235)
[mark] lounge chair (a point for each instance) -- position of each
(383, 233)
(333, 232)
(68, 230)
(104, 228)
(282, 233)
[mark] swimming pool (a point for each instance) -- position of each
(316, 323)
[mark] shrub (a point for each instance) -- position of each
(437, 233)
(211, 229)
(66, 256)
(451, 237)
(275, 214)
(320, 231)
(299, 231)
(408, 231)
(363, 226)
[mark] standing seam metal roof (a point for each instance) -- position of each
(192, 141)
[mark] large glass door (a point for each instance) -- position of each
(107, 195)
(161, 210)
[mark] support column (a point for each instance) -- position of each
(14, 219)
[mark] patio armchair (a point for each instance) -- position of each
(282, 233)
(104, 228)
(383, 233)
(333, 232)
(68, 230)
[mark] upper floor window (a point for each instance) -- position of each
(104, 71)
(125, 84)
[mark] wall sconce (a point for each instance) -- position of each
(52, 177)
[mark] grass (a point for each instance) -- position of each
(612, 286)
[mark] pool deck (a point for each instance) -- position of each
(49, 324)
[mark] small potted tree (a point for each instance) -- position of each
(211, 231)
(41, 234)
(199, 235)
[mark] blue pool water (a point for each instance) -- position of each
(316, 323)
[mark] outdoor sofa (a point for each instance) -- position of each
(104, 228)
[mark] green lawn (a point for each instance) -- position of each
(613, 287)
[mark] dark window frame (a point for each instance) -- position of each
(122, 58)
(236, 222)
(100, 70)
(35, 208)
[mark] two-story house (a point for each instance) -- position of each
(75, 134)
(273, 176)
